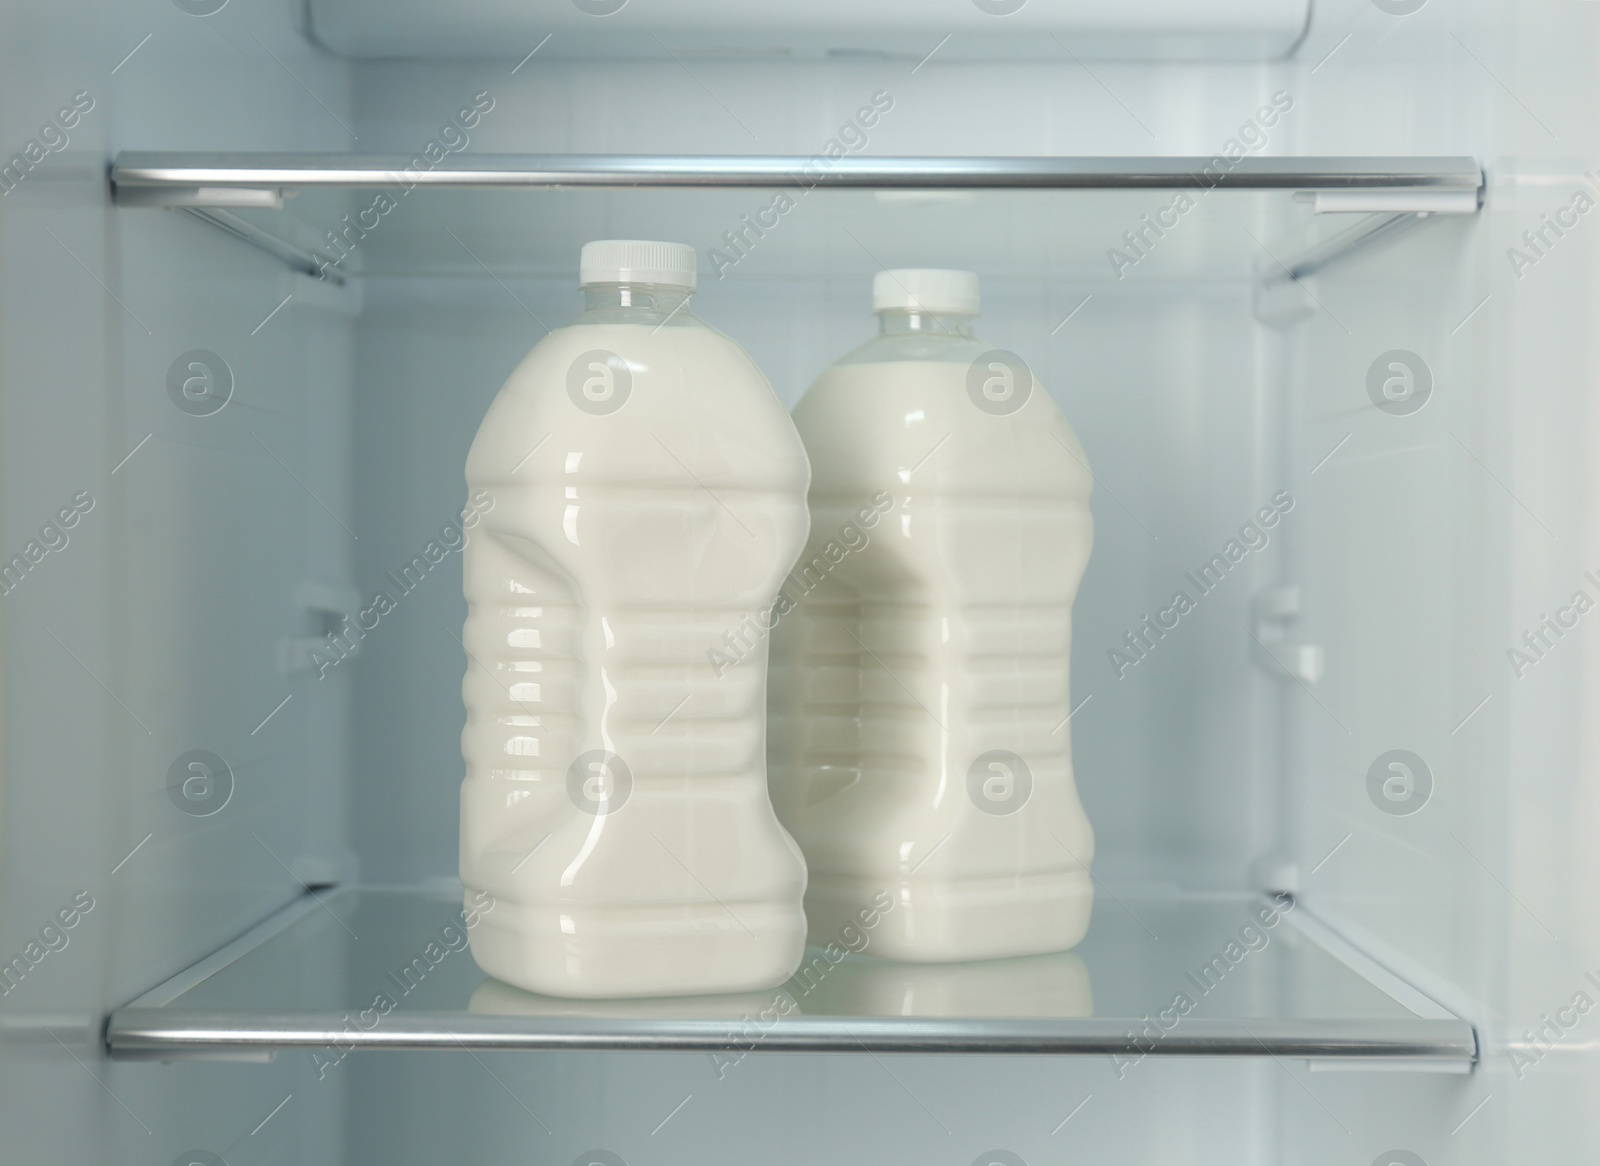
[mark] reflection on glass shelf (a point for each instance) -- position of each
(1053, 985)
(856, 985)
(494, 998)
(1176, 976)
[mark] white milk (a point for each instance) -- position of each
(649, 494)
(919, 736)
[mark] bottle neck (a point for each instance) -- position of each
(636, 303)
(904, 322)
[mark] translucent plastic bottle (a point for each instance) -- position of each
(649, 495)
(920, 744)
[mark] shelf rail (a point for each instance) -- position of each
(1415, 1045)
(138, 176)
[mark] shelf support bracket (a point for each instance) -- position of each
(1392, 202)
(188, 197)
(1272, 614)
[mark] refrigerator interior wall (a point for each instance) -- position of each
(220, 547)
(1441, 538)
(800, 1108)
(154, 624)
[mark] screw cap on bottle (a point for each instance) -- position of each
(926, 289)
(637, 261)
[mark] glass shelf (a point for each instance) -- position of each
(354, 968)
(506, 216)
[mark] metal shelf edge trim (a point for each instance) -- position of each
(142, 1032)
(152, 170)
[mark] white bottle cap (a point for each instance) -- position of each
(637, 261)
(926, 289)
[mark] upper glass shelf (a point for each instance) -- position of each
(362, 968)
(1087, 219)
